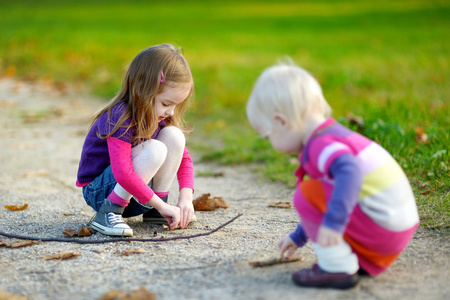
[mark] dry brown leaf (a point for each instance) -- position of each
(113, 295)
(85, 231)
(280, 204)
(275, 261)
(61, 255)
(7, 104)
(10, 71)
(99, 250)
(206, 203)
(24, 145)
(129, 252)
(70, 232)
(426, 192)
(218, 174)
(421, 136)
(16, 207)
(141, 294)
(17, 244)
(356, 120)
(9, 296)
(40, 173)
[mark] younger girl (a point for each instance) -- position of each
(357, 206)
(136, 146)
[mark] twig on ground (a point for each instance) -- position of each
(275, 261)
(115, 240)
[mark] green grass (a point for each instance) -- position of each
(386, 61)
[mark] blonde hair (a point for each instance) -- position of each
(142, 82)
(286, 89)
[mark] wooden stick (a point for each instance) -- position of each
(275, 261)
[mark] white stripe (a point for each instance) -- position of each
(327, 152)
(393, 208)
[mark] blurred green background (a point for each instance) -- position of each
(386, 62)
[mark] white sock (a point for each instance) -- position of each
(338, 258)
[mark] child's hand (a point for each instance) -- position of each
(287, 244)
(186, 212)
(328, 237)
(186, 206)
(171, 214)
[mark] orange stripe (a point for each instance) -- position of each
(372, 256)
(314, 193)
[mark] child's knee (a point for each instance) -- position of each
(172, 137)
(153, 151)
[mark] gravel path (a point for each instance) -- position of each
(43, 128)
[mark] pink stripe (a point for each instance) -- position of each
(358, 142)
(161, 194)
(79, 184)
(117, 200)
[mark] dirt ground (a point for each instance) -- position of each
(43, 127)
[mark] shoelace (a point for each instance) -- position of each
(115, 219)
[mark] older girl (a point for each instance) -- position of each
(136, 146)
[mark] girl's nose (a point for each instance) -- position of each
(170, 111)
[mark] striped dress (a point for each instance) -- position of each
(383, 217)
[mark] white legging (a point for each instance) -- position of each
(157, 159)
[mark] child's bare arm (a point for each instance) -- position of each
(286, 244)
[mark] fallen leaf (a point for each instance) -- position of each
(70, 232)
(206, 203)
(141, 294)
(426, 192)
(9, 296)
(421, 136)
(280, 204)
(17, 244)
(7, 104)
(85, 231)
(211, 174)
(62, 255)
(40, 173)
(24, 145)
(275, 261)
(355, 120)
(10, 71)
(129, 252)
(99, 250)
(16, 207)
(113, 295)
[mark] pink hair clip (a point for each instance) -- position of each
(163, 79)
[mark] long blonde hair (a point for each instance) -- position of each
(140, 86)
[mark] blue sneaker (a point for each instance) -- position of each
(109, 220)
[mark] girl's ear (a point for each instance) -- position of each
(282, 120)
